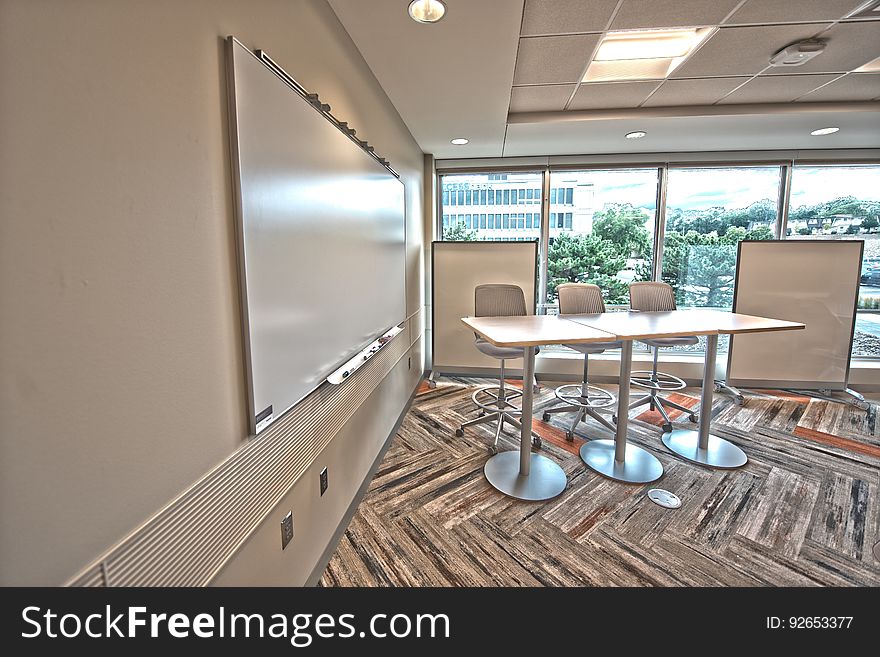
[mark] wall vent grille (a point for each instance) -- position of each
(188, 542)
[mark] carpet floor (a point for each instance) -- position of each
(804, 511)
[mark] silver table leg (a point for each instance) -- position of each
(701, 446)
(524, 475)
(616, 459)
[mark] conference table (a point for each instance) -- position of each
(535, 477)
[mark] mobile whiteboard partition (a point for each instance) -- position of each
(321, 239)
(456, 269)
(815, 282)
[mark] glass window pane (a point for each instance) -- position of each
(606, 235)
(843, 202)
(708, 212)
(487, 191)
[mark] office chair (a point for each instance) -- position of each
(654, 296)
(583, 399)
(495, 402)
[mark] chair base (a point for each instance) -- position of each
(495, 404)
(582, 405)
(655, 401)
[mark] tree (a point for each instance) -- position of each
(701, 267)
(852, 229)
(586, 259)
(624, 225)
(804, 231)
(458, 233)
(869, 223)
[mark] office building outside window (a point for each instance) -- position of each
(491, 206)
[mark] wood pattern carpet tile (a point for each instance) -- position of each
(804, 511)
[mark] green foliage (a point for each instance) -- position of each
(719, 220)
(587, 259)
(870, 223)
(624, 225)
(852, 229)
(869, 303)
(804, 231)
(458, 233)
(701, 267)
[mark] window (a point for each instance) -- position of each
(708, 212)
(606, 237)
(843, 202)
(482, 192)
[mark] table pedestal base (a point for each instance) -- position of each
(638, 467)
(545, 480)
(719, 453)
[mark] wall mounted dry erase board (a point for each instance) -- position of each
(321, 239)
(456, 269)
(811, 281)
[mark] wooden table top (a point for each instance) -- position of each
(633, 325)
(733, 323)
(534, 330)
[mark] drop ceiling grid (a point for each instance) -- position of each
(817, 17)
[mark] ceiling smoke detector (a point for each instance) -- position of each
(798, 53)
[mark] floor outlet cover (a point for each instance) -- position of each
(664, 498)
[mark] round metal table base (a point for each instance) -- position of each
(719, 454)
(546, 480)
(638, 467)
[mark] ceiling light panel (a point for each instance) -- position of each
(643, 55)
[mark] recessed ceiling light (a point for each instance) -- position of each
(824, 131)
(459, 141)
(636, 134)
(426, 11)
(643, 54)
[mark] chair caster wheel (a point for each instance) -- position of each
(482, 413)
(614, 419)
(492, 450)
(667, 428)
(569, 436)
(693, 418)
(459, 432)
(546, 417)
(537, 442)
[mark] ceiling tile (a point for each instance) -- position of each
(603, 95)
(635, 14)
(855, 86)
(566, 16)
(776, 88)
(743, 50)
(775, 11)
(849, 46)
(553, 60)
(540, 98)
(703, 91)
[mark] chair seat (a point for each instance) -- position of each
(682, 341)
(595, 347)
(501, 353)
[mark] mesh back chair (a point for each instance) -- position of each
(496, 402)
(652, 296)
(583, 399)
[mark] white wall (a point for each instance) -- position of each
(121, 376)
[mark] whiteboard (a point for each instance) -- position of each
(815, 282)
(321, 239)
(458, 268)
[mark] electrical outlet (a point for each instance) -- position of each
(323, 481)
(286, 529)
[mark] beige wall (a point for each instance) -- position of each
(121, 377)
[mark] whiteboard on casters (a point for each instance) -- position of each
(811, 281)
(321, 239)
(456, 269)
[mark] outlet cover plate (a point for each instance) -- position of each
(324, 481)
(286, 529)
